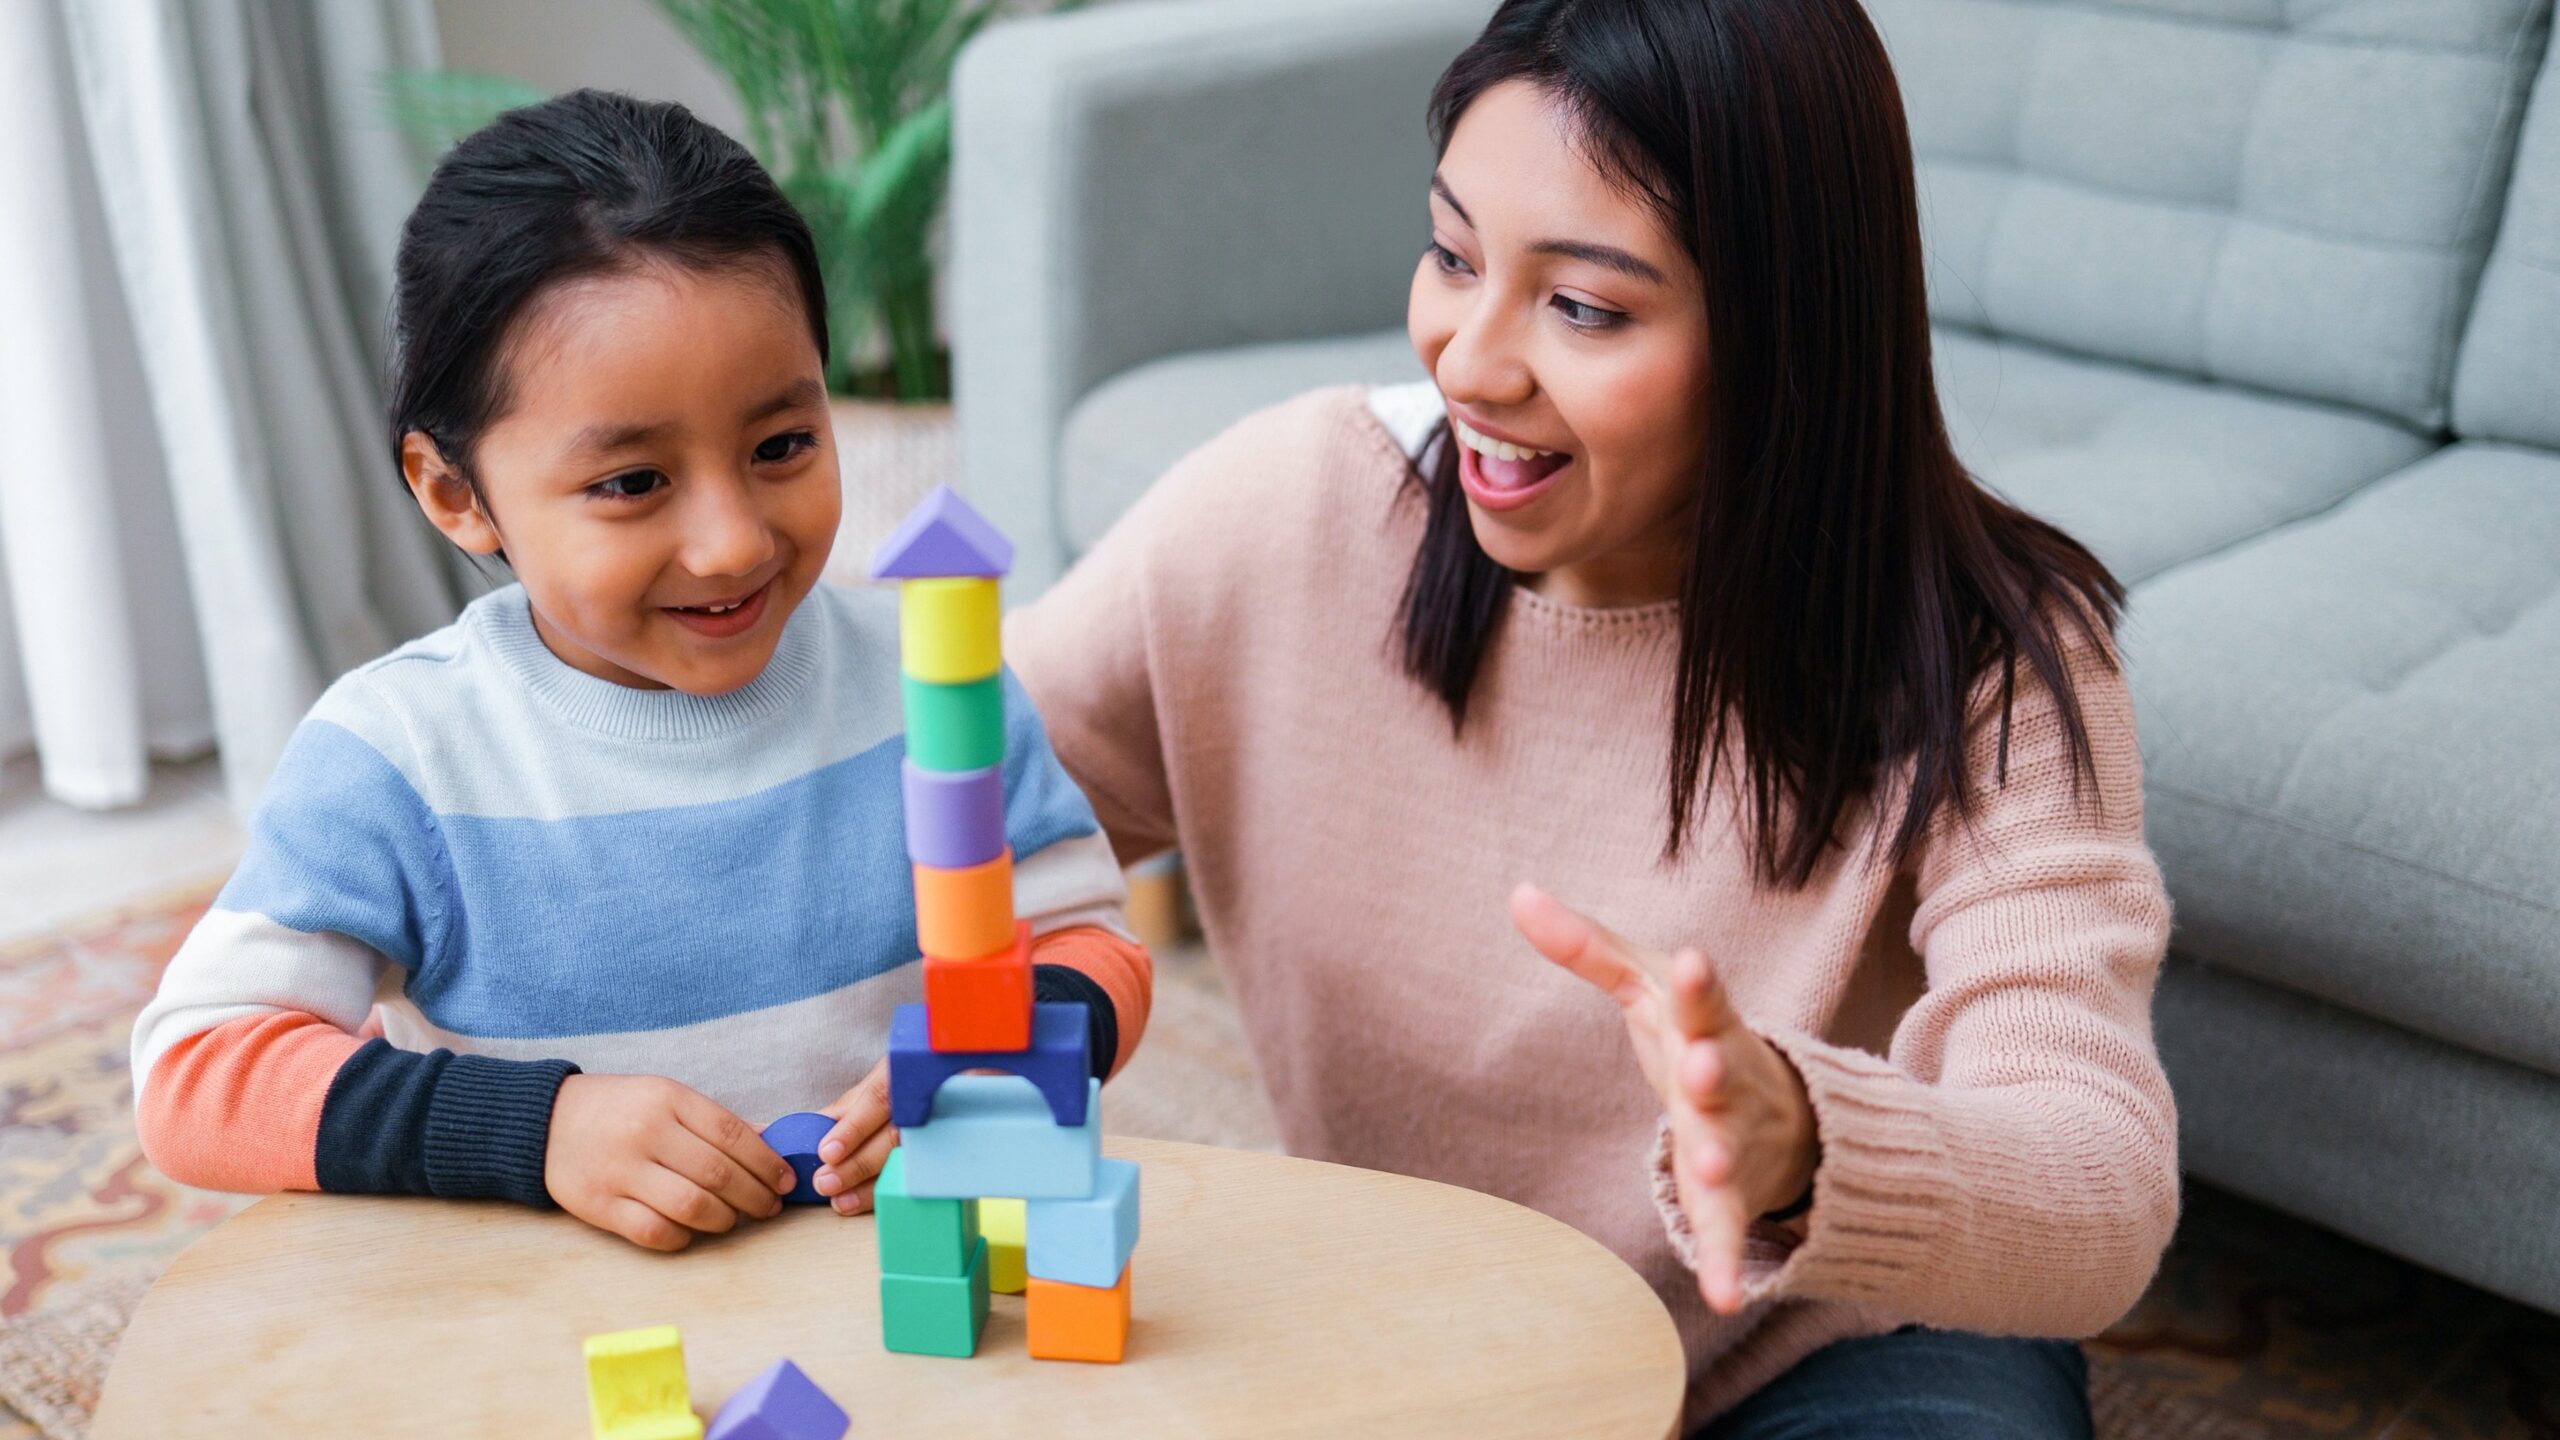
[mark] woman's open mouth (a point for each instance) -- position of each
(720, 619)
(1499, 475)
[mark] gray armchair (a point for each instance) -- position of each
(2261, 302)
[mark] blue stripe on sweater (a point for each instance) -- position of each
(640, 920)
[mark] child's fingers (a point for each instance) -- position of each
(679, 1199)
(642, 1226)
(856, 1200)
(736, 1139)
(862, 1165)
(865, 1162)
(858, 1112)
(699, 1161)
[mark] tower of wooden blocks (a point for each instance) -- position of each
(998, 1181)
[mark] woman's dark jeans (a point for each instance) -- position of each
(1917, 1384)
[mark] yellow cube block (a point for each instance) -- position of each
(1001, 1222)
(636, 1388)
(949, 631)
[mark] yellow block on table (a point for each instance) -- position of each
(636, 1387)
(1002, 1222)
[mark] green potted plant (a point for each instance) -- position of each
(848, 103)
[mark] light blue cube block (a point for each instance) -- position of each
(1085, 1242)
(994, 1135)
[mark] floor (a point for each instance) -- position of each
(59, 866)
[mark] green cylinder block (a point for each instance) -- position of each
(954, 727)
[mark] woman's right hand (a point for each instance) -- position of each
(656, 1162)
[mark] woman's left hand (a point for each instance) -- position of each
(1743, 1140)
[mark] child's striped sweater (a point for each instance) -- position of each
(479, 870)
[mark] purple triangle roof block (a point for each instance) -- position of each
(942, 536)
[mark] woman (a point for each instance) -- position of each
(1669, 594)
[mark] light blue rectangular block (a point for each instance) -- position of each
(1087, 1241)
(993, 1135)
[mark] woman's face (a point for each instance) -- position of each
(663, 479)
(1568, 332)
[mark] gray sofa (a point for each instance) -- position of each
(2260, 300)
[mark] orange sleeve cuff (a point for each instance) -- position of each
(1122, 968)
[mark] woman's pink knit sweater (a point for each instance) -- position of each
(1998, 1144)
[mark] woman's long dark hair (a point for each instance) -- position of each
(1848, 582)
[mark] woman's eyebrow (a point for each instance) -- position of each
(1441, 188)
(1608, 257)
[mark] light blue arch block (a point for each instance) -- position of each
(993, 1135)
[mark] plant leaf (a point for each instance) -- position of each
(439, 107)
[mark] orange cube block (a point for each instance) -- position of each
(1077, 1322)
(967, 913)
(981, 1004)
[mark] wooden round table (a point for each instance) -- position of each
(1273, 1296)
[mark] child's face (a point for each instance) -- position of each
(663, 478)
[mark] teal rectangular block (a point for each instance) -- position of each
(920, 1236)
(935, 1314)
(1087, 1241)
(994, 1135)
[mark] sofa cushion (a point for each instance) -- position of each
(1132, 427)
(2507, 386)
(2352, 734)
(2296, 196)
(2148, 469)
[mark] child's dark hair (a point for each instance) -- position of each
(585, 184)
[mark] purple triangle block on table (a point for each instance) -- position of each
(942, 536)
(780, 1404)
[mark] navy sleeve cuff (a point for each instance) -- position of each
(397, 1122)
(1065, 982)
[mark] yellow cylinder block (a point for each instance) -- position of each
(949, 630)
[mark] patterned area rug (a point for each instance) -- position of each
(2259, 1328)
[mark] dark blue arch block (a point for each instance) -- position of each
(1059, 1062)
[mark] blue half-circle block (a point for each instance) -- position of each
(795, 1138)
(955, 818)
(1058, 1063)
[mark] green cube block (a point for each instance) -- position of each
(917, 1236)
(935, 1314)
(954, 727)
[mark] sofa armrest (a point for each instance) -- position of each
(1143, 179)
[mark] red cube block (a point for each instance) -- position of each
(983, 1003)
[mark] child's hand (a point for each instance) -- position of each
(849, 1159)
(655, 1162)
(1743, 1140)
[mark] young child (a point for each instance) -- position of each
(564, 901)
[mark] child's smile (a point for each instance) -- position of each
(663, 478)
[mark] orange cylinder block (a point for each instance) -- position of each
(966, 913)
